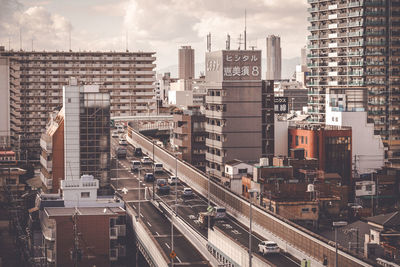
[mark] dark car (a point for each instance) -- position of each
(149, 177)
(162, 186)
(138, 152)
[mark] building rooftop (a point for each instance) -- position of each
(317, 127)
(233, 162)
(62, 211)
(386, 220)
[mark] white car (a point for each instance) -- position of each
(146, 160)
(187, 192)
(123, 142)
(115, 134)
(173, 180)
(268, 247)
(158, 167)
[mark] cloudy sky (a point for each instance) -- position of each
(151, 25)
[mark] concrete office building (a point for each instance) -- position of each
(35, 81)
(86, 132)
(356, 44)
(274, 58)
(186, 63)
(237, 104)
(190, 136)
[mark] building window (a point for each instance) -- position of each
(302, 139)
(297, 140)
(243, 170)
(304, 210)
(306, 140)
(85, 194)
(69, 100)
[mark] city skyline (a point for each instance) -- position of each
(103, 25)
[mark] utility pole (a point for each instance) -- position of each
(154, 180)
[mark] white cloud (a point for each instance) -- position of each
(154, 25)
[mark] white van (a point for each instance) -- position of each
(135, 165)
(220, 213)
(158, 167)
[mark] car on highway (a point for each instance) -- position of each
(146, 160)
(120, 129)
(120, 152)
(135, 165)
(268, 247)
(187, 192)
(115, 134)
(138, 152)
(173, 180)
(149, 177)
(162, 187)
(158, 167)
(220, 213)
(123, 142)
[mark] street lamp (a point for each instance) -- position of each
(336, 225)
(251, 191)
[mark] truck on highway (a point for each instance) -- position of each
(120, 152)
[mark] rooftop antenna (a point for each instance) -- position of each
(228, 42)
(209, 42)
(245, 27)
(69, 37)
(32, 44)
(253, 47)
(126, 41)
(239, 41)
(20, 39)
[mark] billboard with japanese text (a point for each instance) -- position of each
(233, 65)
(281, 105)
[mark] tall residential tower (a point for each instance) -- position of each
(357, 44)
(274, 58)
(186, 63)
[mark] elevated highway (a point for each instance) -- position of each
(292, 238)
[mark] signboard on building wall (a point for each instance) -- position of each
(233, 65)
(281, 105)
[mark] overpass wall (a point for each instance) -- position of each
(237, 255)
(291, 237)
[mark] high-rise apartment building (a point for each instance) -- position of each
(35, 81)
(274, 58)
(357, 44)
(186, 63)
(237, 110)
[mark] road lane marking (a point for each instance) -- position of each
(157, 233)
(149, 224)
(134, 206)
(141, 215)
(167, 245)
(178, 259)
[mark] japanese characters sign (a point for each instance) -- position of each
(281, 105)
(234, 65)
